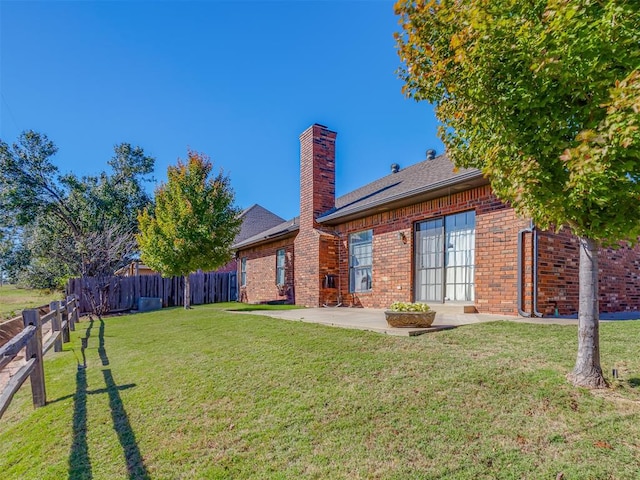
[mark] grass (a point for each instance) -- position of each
(208, 394)
(14, 299)
(252, 307)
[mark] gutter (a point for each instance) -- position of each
(286, 228)
(264, 239)
(534, 232)
(475, 174)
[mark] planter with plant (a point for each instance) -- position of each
(406, 314)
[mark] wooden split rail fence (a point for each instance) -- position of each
(62, 318)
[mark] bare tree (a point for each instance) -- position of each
(103, 252)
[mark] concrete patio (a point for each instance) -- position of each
(447, 317)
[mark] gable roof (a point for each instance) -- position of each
(282, 229)
(421, 181)
(256, 219)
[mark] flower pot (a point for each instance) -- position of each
(410, 319)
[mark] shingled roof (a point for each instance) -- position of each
(425, 179)
(256, 219)
(280, 230)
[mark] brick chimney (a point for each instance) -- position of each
(317, 174)
(313, 255)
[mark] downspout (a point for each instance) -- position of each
(534, 237)
(339, 267)
(535, 272)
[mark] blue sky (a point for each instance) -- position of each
(238, 81)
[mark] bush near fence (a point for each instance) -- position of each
(124, 292)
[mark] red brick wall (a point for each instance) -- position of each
(497, 261)
(232, 266)
(393, 258)
(261, 272)
(317, 195)
(558, 264)
(329, 244)
(558, 275)
(619, 271)
(307, 277)
(496, 273)
(317, 174)
(322, 250)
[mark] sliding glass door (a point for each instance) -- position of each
(429, 257)
(445, 259)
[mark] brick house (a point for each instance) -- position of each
(255, 219)
(427, 232)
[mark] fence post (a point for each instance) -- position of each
(76, 308)
(55, 327)
(70, 318)
(65, 331)
(34, 350)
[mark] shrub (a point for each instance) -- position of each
(409, 307)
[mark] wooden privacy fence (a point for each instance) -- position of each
(61, 318)
(123, 292)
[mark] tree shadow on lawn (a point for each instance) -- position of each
(126, 436)
(79, 461)
(101, 350)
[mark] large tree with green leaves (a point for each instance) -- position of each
(194, 222)
(544, 97)
(70, 225)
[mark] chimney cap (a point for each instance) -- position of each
(395, 168)
(431, 154)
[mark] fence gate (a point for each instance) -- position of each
(233, 287)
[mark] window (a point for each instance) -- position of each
(243, 271)
(445, 258)
(360, 261)
(460, 241)
(280, 262)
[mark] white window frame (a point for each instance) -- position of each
(281, 255)
(243, 272)
(361, 261)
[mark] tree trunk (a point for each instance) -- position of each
(187, 292)
(587, 372)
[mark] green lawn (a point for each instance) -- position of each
(208, 394)
(13, 300)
